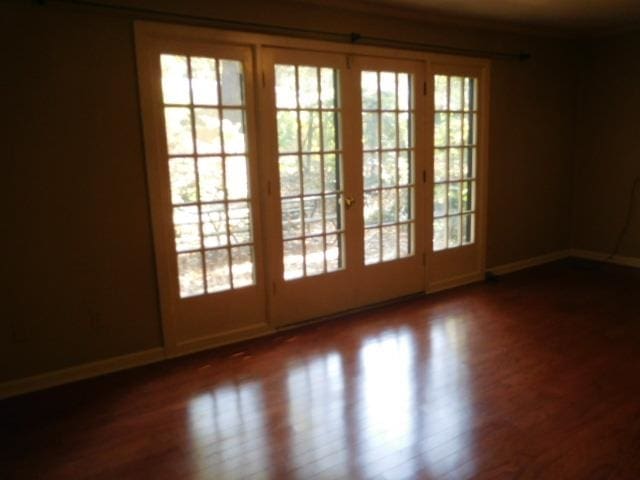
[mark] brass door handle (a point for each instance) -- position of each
(349, 201)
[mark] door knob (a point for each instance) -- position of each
(349, 201)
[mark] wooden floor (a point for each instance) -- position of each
(536, 375)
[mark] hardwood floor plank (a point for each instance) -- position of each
(534, 375)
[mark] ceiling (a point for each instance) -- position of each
(591, 16)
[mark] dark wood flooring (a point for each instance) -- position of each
(536, 375)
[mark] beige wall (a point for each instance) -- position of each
(79, 266)
(608, 141)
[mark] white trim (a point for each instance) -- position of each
(529, 262)
(209, 342)
(80, 372)
(605, 257)
(559, 255)
(454, 282)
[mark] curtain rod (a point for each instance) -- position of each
(352, 38)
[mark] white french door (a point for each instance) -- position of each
(287, 185)
(345, 210)
(390, 159)
(200, 146)
(307, 112)
(459, 108)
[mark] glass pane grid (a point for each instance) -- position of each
(206, 141)
(455, 150)
(388, 172)
(310, 166)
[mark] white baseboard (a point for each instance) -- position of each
(559, 255)
(80, 372)
(529, 262)
(42, 381)
(606, 257)
(454, 282)
(227, 338)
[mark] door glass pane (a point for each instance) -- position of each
(289, 175)
(291, 217)
(231, 82)
(309, 131)
(310, 166)
(387, 165)
(233, 130)
(288, 132)
(190, 274)
(218, 278)
(178, 129)
(371, 245)
(204, 81)
(242, 266)
(454, 231)
(439, 234)
(187, 228)
(175, 79)
(455, 123)
(214, 224)
(239, 218)
(293, 254)
(210, 192)
(309, 93)
(207, 122)
(182, 175)
(404, 234)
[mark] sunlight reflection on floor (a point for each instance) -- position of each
(398, 407)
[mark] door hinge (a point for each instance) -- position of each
(424, 176)
(424, 88)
